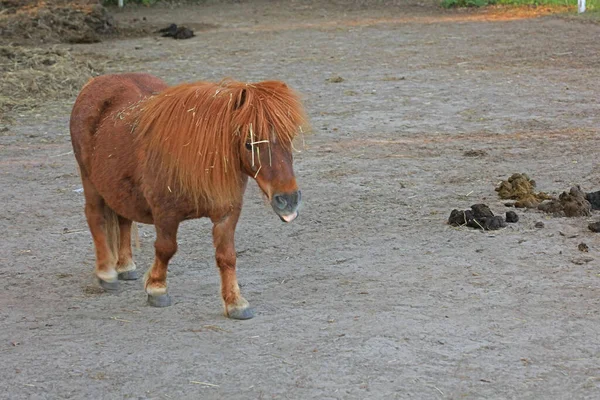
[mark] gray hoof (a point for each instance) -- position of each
(109, 286)
(164, 300)
(246, 313)
(128, 275)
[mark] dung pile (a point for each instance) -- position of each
(29, 76)
(520, 188)
(46, 23)
(480, 217)
(572, 204)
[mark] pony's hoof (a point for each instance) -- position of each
(128, 275)
(241, 313)
(164, 300)
(109, 286)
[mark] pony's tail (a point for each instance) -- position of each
(112, 231)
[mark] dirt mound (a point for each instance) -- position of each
(480, 217)
(519, 187)
(29, 76)
(572, 204)
(55, 23)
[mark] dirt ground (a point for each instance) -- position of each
(369, 294)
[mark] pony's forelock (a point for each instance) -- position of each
(195, 133)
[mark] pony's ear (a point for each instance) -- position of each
(241, 99)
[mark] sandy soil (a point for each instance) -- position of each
(369, 294)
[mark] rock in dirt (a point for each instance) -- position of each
(572, 204)
(539, 224)
(583, 247)
(479, 217)
(176, 32)
(520, 188)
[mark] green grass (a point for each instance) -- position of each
(591, 5)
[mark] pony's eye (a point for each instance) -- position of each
(248, 145)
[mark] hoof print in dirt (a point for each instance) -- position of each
(512, 217)
(176, 32)
(572, 204)
(479, 216)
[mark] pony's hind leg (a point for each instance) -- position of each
(126, 268)
(235, 305)
(102, 222)
(156, 277)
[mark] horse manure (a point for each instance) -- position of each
(520, 188)
(479, 217)
(176, 32)
(572, 204)
(583, 247)
(67, 24)
(512, 217)
(594, 227)
(594, 199)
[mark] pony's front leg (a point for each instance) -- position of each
(236, 306)
(156, 277)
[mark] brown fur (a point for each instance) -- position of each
(196, 132)
(160, 155)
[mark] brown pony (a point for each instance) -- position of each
(161, 155)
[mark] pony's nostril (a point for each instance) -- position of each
(280, 201)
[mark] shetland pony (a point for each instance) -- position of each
(160, 155)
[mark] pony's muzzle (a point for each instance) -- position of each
(286, 205)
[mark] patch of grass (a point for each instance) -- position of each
(591, 5)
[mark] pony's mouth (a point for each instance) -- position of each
(289, 218)
(286, 205)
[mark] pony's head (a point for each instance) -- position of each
(205, 136)
(268, 117)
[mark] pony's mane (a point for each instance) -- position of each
(194, 133)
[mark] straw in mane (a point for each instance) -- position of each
(197, 132)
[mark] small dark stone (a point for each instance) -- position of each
(539, 224)
(594, 227)
(512, 217)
